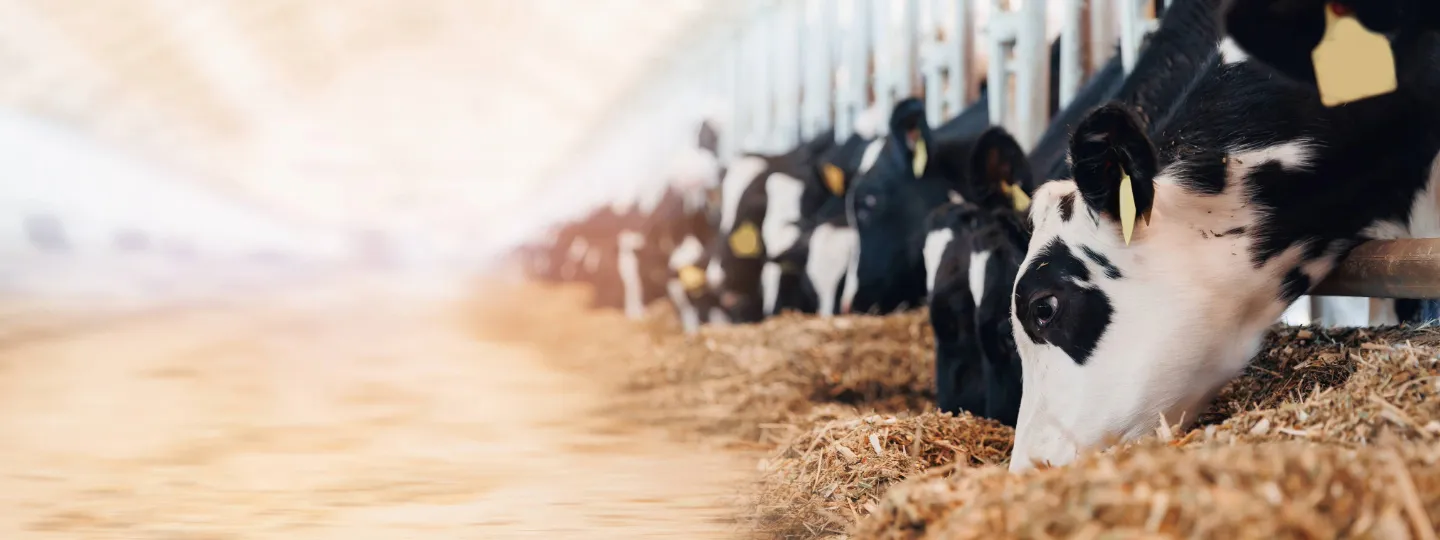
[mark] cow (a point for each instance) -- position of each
(972, 252)
(1282, 34)
(1151, 277)
(760, 207)
(913, 173)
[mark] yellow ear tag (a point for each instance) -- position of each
(744, 241)
(834, 179)
(692, 277)
(1018, 197)
(921, 157)
(1351, 62)
(1127, 207)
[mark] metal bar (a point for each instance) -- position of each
(962, 45)
(1071, 69)
(1129, 33)
(1032, 74)
(1407, 268)
(998, 38)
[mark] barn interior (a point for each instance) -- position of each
(293, 270)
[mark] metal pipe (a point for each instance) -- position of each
(1408, 268)
(1071, 68)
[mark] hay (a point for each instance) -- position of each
(828, 476)
(743, 381)
(1292, 449)
(1277, 490)
(1306, 445)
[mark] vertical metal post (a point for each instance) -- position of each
(908, 50)
(785, 73)
(1102, 32)
(882, 42)
(1129, 33)
(1071, 71)
(998, 36)
(962, 46)
(1032, 74)
(818, 62)
(853, 77)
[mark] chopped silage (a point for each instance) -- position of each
(815, 399)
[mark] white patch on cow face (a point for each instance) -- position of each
(935, 244)
(871, 155)
(1186, 311)
(782, 212)
(737, 178)
(628, 266)
(978, 260)
(830, 249)
(687, 253)
(770, 285)
(689, 316)
(714, 274)
(1230, 53)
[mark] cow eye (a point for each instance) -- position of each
(1043, 309)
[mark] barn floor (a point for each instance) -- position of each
(357, 410)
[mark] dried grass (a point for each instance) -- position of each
(1326, 434)
(744, 381)
(827, 477)
(1332, 435)
(1266, 491)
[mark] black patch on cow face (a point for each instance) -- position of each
(1295, 284)
(1078, 315)
(1067, 206)
(1110, 270)
(1203, 171)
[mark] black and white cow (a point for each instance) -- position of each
(1282, 34)
(819, 256)
(889, 203)
(1244, 196)
(972, 252)
(760, 212)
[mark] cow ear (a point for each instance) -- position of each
(830, 178)
(999, 173)
(910, 134)
(1114, 164)
(1279, 33)
(1282, 34)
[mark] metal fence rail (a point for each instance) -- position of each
(1387, 269)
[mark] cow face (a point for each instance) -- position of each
(916, 173)
(971, 256)
(1113, 335)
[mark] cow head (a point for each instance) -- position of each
(1114, 334)
(1283, 33)
(915, 173)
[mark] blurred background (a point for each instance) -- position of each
(184, 183)
(160, 148)
(151, 147)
